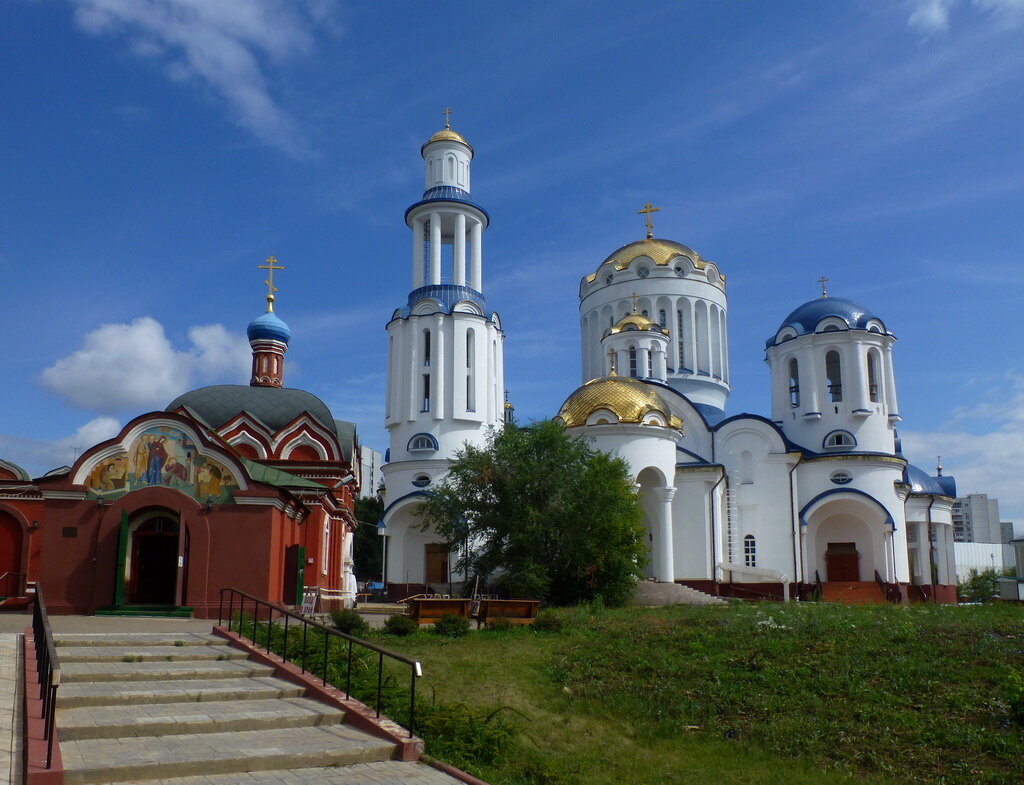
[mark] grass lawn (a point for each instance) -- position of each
(749, 693)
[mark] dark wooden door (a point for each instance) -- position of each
(436, 555)
(842, 561)
(10, 555)
(154, 575)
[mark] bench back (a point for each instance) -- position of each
(424, 609)
(508, 609)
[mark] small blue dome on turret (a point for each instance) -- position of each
(269, 327)
(808, 316)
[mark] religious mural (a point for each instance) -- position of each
(167, 456)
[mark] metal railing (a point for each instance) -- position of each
(47, 667)
(270, 609)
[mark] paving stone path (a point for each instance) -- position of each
(180, 708)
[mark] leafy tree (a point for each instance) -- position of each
(979, 586)
(552, 517)
(366, 550)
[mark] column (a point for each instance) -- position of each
(417, 253)
(690, 317)
(412, 337)
(622, 362)
(642, 362)
(855, 387)
(476, 256)
(889, 382)
(660, 364)
(435, 248)
(439, 370)
(459, 250)
(664, 559)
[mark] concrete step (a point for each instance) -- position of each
(153, 653)
(386, 772)
(162, 719)
(147, 757)
(76, 694)
(137, 639)
(156, 671)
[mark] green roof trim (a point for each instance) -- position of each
(279, 479)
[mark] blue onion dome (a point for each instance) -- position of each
(921, 482)
(806, 318)
(269, 327)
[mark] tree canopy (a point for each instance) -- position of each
(550, 516)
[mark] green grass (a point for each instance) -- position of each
(750, 693)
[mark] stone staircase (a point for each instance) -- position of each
(184, 708)
(652, 593)
(852, 592)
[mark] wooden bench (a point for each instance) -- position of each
(513, 611)
(427, 610)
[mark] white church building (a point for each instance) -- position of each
(818, 499)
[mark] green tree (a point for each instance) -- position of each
(366, 550)
(979, 586)
(550, 516)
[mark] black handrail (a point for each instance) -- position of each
(47, 667)
(272, 607)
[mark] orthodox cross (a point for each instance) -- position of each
(648, 209)
(611, 363)
(447, 118)
(633, 298)
(823, 280)
(271, 265)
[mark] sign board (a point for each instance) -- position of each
(310, 597)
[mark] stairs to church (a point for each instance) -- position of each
(852, 592)
(185, 709)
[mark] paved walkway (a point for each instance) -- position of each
(10, 709)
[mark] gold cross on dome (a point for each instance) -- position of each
(633, 298)
(648, 209)
(823, 280)
(447, 118)
(271, 265)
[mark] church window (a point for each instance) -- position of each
(873, 377)
(632, 361)
(679, 338)
(833, 372)
(421, 480)
(422, 441)
(470, 381)
(426, 393)
(650, 363)
(662, 319)
(426, 348)
(643, 272)
(451, 167)
(794, 383)
(749, 551)
(839, 439)
(841, 477)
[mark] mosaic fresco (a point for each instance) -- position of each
(163, 456)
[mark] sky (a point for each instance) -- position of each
(154, 152)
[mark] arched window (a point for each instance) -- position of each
(426, 393)
(422, 441)
(451, 167)
(679, 338)
(839, 439)
(470, 380)
(662, 318)
(749, 551)
(632, 361)
(873, 377)
(426, 348)
(794, 383)
(650, 363)
(833, 372)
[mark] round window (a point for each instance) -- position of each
(421, 480)
(680, 271)
(644, 271)
(609, 279)
(841, 477)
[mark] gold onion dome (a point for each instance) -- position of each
(661, 252)
(635, 321)
(630, 400)
(447, 135)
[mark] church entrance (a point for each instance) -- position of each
(842, 562)
(436, 563)
(153, 572)
(10, 556)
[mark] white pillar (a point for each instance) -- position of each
(855, 389)
(660, 365)
(412, 335)
(417, 253)
(476, 256)
(439, 368)
(642, 362)
(890, 383)
(435, 248)
(664, 561)
(622, 362)
(690, 317)
(459, 250)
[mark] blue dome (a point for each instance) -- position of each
(269, 327)
(806, 318)
(920, 481)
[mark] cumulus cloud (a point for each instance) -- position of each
(223, 45)
(133, 367)
(932, 16)
(38, 456)
(983, 446)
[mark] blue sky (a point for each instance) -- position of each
(154, 152)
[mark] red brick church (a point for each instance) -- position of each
(250, 487)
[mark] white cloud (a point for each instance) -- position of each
(223, 45)
(932, 16)
(983, 446)
(38, 456)
(133, 367)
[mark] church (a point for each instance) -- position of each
(239, 486)
(815, 500)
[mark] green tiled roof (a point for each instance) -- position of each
(279, 479)
(275, 407)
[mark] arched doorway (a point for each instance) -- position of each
(152, 570)
(846, 538)
(11, 547)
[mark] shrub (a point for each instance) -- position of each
(349, 622)
(500, 624)
(547, 621)
(979, 586)
(400, 624)
(1014, 691)
(452, 626)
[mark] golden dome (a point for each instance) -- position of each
(447, 135)
(630, 400)
(635, 321)
(661, 252)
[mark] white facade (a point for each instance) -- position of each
(445, 380)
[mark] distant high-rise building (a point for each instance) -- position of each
(976, 519)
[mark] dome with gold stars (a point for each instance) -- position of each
(661, 252)
(635, 321)
(629, 400)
